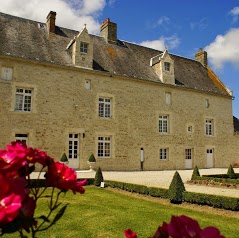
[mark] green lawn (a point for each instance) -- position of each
(106, 213)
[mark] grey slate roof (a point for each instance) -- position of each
(29, 39)
(236, 124)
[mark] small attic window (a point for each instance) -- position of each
(83, 47)
(166, 66)
(41, 25)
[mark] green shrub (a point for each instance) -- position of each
(230, 172)
(92, 158)
(158, 192)
(176, 189)
(98, 177)
(228, 203)
(196, 173)
(64, 158)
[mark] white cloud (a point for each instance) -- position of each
(234, 12)
(111, 3)
(224, 49)
(163, 20)
(200, 25)
(71, 14)
(169, 42)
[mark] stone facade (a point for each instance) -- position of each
(163, 122)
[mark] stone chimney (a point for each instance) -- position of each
(201, 56)
(108, 30)
(50, 22)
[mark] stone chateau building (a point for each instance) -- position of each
(133, 107)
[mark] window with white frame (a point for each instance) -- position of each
(73, 146)
(163, 154)
(168, 98)
(83, 47)
(164, 124)
(7, 73)
(23, 100)
(104, 146)
(209, 127)
(188, 154)
(166, 66)
(23, 138)
(104, 107)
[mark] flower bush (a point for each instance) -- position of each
(181, 227)
(18, 201)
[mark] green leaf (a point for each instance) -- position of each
(44, 218)
(59, 214)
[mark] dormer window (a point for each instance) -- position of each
(166, 66)
(83, 47)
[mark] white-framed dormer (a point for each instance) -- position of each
(163, 65)
(81, 48)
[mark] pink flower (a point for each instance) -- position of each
(210, 232)
(38, 156)
(162, 231)
(64, 178)
(13, 158)
(28, 207)
(130, 234)
(9, 208)
(12, 193)
(183, 226)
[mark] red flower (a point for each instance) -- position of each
(13, 158)
(183, 226)
(162, 231)
(11, 196)
(9, 208)
(28, 207)
(186, 227)
(210, 232)
(130, 234)
(64, 178)
(38, 156)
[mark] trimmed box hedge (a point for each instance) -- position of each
(227, 203)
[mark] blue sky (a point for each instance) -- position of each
(181, 26)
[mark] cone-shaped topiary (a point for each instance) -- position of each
(98, 177)
(92, 158)
(64, 158)
(230, 172)
(176, 189)
(195, 173)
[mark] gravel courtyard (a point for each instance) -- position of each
(163, 179)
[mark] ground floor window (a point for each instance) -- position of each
(104, 146)
(23, 138)
(163, 154)
(73, 146)
(188, 154)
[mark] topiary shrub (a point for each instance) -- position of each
(196, 173)
(176, 189)
(64, 158)
(230, 172)
(98, 177)
(92, 158)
